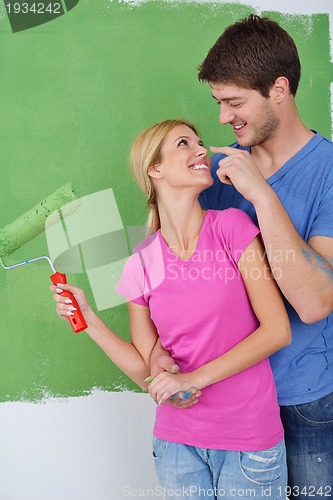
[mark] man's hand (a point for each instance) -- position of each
(161, 361)
(176, 389)
(238, 168)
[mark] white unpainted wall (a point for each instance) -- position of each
(96, 447)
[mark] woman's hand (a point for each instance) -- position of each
(183, 400)
(64, 307)
(166, 384)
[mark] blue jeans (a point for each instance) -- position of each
(189, 472)
(309, 442)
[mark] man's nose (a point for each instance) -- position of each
(226, 115)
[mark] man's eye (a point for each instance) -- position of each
(235, 105)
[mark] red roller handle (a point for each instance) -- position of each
(77, 321)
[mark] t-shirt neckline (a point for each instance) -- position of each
(169, 252)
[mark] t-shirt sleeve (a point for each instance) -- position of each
(238, 230)
(132, 282)
(143, 272)
(323, 222)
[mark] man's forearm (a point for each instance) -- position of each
(160, 359)
(304, 276)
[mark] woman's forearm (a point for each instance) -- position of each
(258, 346)
(250, 351)
(122, 353)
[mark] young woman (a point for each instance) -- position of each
(201, 287)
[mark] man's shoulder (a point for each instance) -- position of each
(319, 157)
(322, 145)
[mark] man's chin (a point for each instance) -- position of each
(243, 142)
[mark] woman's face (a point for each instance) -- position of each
(185, 161)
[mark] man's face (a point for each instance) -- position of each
(251, 115)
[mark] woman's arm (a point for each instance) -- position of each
(272, 334)
(131, 357)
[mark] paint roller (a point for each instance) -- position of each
(30, 225)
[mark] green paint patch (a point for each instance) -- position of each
(76, 92)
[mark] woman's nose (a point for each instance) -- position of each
(202, 151)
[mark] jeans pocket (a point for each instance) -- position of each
(265, 466)
(319, 412)
(159, 448)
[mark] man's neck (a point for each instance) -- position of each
(273, 154)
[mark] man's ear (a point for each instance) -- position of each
(155, 171)
(280, 89)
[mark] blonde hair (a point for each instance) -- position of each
(145, 153)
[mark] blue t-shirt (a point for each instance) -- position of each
(303, 370)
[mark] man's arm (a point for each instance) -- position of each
(303, 270)
(161, 360)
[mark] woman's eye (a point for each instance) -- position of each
(182, 142)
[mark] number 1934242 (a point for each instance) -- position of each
(306, 491)
(34, 8)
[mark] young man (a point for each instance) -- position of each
(281, 174)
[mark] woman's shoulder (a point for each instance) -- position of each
(148, 253)
(234, 226)
(148, 242)
(229, 215)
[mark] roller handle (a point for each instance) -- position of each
(77, 321)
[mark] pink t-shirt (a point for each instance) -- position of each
(201, 309)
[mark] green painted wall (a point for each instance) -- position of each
(74, 94)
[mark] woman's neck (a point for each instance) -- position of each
(181, 221)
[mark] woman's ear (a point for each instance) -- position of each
(155, 171)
